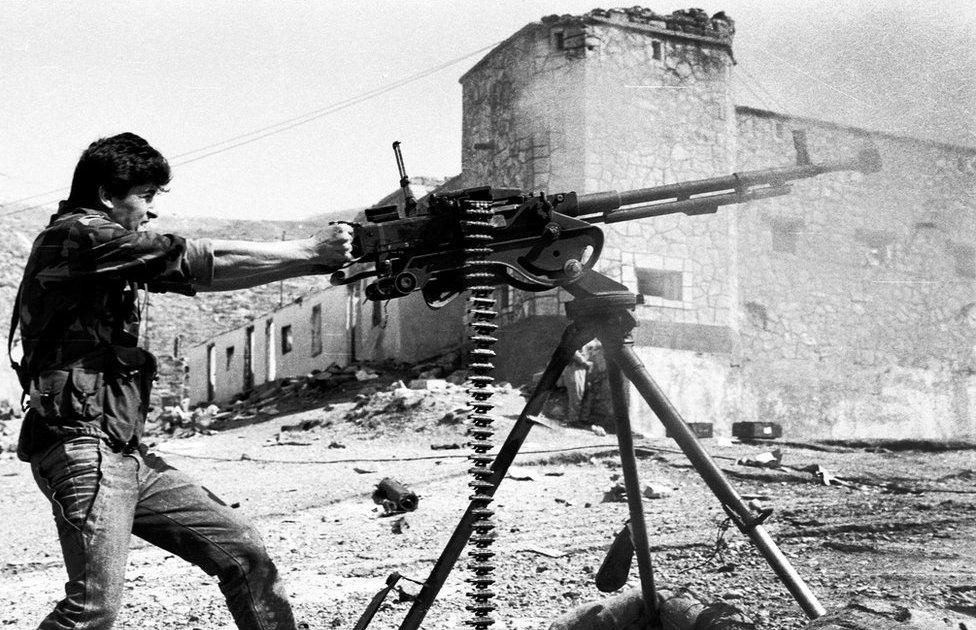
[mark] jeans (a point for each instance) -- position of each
(101, 496)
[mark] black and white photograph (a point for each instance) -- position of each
(511, 315)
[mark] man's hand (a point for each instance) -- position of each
(332, 247)
(245, 264)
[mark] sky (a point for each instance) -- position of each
(196, 78)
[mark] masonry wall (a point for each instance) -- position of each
(636, 108)
(845, 309)
(857, 292)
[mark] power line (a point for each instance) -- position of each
(258, 134)
(873, 107)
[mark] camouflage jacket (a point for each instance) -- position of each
(79, 323)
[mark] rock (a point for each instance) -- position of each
(366, 375)
(657, 490)
(459, 377)
(434, 372)
(598, 430)
(429, 384)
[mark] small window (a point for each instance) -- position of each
(230, 357)
(965, 260)
(656, 50)
(785, 234)
(660, 283)
(377, 313)
(316, 332)
(504, 297)
(559, 40)
(287, 342)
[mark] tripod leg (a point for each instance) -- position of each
(628, 461)
(570, 342)
(630, 364)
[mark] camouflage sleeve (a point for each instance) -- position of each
(97, 247)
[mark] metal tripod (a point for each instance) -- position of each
(603, 309)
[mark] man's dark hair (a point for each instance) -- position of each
(116, 163)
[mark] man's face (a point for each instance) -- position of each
(135, 209)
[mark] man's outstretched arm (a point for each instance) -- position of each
(245, 264)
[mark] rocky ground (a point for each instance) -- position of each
(896, 525)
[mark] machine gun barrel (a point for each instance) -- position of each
(706, 195)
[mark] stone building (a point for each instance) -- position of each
(846, 309)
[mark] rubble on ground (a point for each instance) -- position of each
(425, 390)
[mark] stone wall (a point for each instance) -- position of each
(857, 307)
(615, 101)
(845, 309)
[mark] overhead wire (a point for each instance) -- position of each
(877, 109)
(255, 135)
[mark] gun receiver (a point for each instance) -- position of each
(538, 241)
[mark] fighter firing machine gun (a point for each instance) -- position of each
(477, 238)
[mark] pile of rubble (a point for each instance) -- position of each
(413, 404)
(380, 404)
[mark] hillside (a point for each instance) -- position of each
(193, 320)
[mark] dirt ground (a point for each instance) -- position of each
(901, 531)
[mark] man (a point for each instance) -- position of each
(89, 386)
(573, 379)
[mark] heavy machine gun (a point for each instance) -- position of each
(536, 241)
(477, 238)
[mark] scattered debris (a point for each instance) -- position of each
(657, 490)
(395, 497)
(747, 431)
(825, 476)
(366, 374)
(520, 474)
(362, 470)
(398, 525)
(445, 447)
(399, 407)
(430, 384)
(543, 551)
(305, 425)
(455, 416)
(768, 459)
(542, 421)
(615, 493)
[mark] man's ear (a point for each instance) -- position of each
(104, 197)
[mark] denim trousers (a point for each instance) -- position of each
(101, 496)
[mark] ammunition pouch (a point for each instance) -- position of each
(107, 393)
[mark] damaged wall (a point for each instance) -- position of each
(311, 333)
